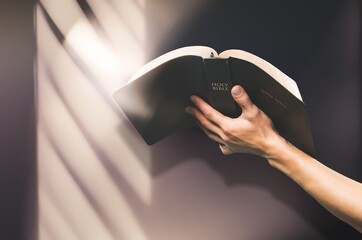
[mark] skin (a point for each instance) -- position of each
(253, 132)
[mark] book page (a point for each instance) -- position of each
(274, 72)
(204, 52)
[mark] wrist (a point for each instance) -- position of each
(273, 146)
(279, 153)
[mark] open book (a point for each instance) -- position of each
(155, 97)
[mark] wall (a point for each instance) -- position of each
(99, 180)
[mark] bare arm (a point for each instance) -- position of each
(253, 132)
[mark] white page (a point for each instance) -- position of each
(274, 72)
(205, 52)
(201, 51)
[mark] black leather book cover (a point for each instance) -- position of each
(155, 102)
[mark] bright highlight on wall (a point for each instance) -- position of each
(93, 169)
(99, 180)
(87, 168)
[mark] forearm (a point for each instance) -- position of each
(253, 132)
(338, 194)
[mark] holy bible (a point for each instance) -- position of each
(154, 99)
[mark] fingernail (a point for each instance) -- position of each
(187, 109)
(192, 98)
(236, 91)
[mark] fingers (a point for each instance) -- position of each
(242, 98)
(222, 145)
(225, 149)
(205, 123)
(210, 113)
(246, 134)
(213, 136)
(210, 129)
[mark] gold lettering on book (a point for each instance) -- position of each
(278, 101)
(217, 86)
(266, 93)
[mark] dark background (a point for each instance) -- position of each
(18, 206)
(317, 43)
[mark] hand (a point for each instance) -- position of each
(252, 132)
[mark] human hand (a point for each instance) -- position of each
(251, 132)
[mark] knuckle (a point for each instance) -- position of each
(244, 100)
(228, 129)
(208, 113)
(226, 151)
(203, 122)
(225, 138)
(254, 112)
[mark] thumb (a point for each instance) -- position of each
(242, 98)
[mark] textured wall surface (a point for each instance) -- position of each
(99, 180)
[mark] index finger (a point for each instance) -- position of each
(209, 112)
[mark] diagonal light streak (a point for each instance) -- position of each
(129, 40)
(77, 60)
(86, 50)
(54, 219)
(108, 223)
(107, 163)
(133, 24)
(90, 197)
(133, 165)
(58, 187)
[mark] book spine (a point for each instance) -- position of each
(219, 86)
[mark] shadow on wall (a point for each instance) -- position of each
(195, 192)
(201, 194)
